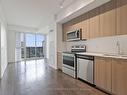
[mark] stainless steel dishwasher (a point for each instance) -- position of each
(85, 68)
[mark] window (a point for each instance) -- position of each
(32, 45)
(39, 45)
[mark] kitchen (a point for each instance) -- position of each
(98, 38)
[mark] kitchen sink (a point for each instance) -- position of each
(123, 55)
(111, 55)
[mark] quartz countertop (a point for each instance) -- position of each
(104, 55)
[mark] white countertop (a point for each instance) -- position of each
(104, 55)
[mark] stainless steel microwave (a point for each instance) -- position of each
(74, 35)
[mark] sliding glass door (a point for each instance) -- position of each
(39, 46)
(32, 46)
(22, 37)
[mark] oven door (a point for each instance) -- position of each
(69, 61)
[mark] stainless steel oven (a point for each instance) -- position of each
(69, 64)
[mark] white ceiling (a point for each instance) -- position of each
(32, 13)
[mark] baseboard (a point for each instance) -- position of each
(14, 62)
(11, 62)
(52, 66)
(2, 74)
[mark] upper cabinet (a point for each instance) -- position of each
(121, 17)
(108, 19)
(66, 28)
(81, 22)
(94, 23)
(85, 26)
(76, 23)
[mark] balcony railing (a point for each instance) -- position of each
(32, 52)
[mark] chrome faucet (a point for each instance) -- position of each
(118, 47)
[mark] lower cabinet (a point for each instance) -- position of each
(59, 60)
(119, 77)
(111, 75)
(103, 73)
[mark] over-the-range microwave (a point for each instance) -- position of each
(74, 35)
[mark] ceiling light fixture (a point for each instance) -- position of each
(61, 4)
(61, 7)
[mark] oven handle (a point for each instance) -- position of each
(85, 57)
(70, 55)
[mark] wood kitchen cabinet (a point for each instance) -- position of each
(81, 22)
(59, 60)
(119, 77)
(102, 73)
(94, 23)
(85, 26)
(76, 26)
(66, 28)
(108, 19)
(121, 17)
(72, 25)
(76, 23)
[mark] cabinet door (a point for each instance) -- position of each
(108, 19)
(85, 26)
(119, 77)
(94, 23)
(66, 28)
(103, 73)
(121, 17)
(76, 23)
(59, 60)
(76, 26)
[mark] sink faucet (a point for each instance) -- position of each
(118, 47)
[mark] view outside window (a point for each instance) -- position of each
(39, 45)
(30, 45)
(33, 45)
(22, 45)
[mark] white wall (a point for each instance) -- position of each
(60, 44)
(11, 41)
(108, 44)
(3, 49)
(22, 29)
(52, 45)
(3, 43)
(103, 45)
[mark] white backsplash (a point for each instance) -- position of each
(102, 45)
(123, 44)
(69, 44)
